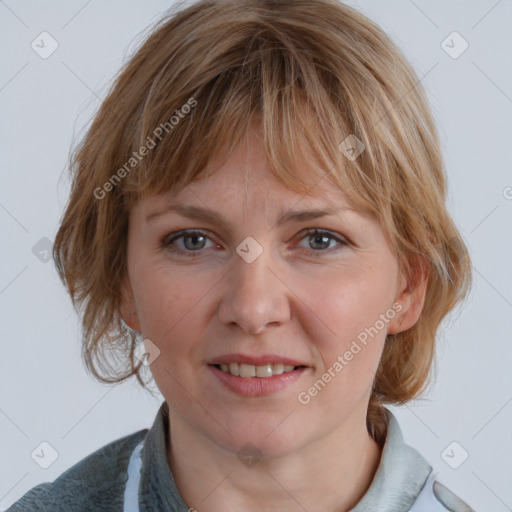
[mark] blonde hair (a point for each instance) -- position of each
(312, 72)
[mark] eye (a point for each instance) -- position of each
(320, 240)
(189, 242)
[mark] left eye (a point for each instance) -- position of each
(322, 239)
(193, 241)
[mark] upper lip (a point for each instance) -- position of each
(255, 360)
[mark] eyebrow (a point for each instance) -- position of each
(208, 215)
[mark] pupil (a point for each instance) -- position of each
(193, 237)
(321, 238)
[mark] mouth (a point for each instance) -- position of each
(248, 371)
(253, 376)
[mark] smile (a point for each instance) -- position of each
(249, 370)
(255, 380)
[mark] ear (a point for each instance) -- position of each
(411, 296)
(127, 306)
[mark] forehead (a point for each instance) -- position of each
(280, 207)
(244, 180)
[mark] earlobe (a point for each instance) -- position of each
(412, 300)
(127, 307)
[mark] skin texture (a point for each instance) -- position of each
(305, 298)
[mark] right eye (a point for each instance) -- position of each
(190, 241)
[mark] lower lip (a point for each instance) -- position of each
(257, 386)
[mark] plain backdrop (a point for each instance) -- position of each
(46, 396)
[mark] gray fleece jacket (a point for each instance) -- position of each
(132, 474)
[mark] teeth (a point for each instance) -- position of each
(277, 369)
(264, 371)
(249, 370)
(246, 370)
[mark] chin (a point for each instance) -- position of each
(264, 438)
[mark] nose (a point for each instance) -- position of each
(254, 296)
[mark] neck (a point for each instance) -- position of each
(209, 478)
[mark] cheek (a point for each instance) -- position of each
(349, 342)
(170, 314)
(349, 302)
(166, 303)
(347, 323)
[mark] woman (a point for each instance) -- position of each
(258, 216)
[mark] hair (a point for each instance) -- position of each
(311, 73)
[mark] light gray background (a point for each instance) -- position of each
(45, 392)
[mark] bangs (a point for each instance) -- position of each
(257, 80)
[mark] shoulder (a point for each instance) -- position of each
(95, 483)
(435, 497)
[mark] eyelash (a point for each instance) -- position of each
(170, 239)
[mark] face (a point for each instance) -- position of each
(246, 285)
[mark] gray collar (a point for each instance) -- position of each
(401, 474)
(157, 488)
